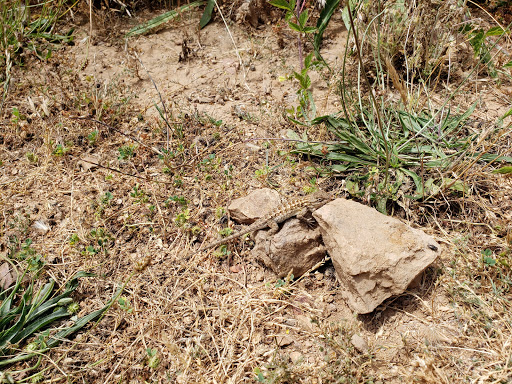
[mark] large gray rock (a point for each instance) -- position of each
(375, 256)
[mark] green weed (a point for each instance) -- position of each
(180, 200)
(61, 150)
(139, 195)
(124, 304)
(92, 138)
(482, 47)
(25, 313)
(98, 240)
(28, 28)
(25, 252)
(182, 218)
(153, 359)
(32, 158)
(126, 152)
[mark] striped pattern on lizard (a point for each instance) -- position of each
(298, 207)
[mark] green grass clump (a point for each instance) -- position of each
(28, 28)
(26, 313)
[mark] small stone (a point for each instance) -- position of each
(295, 357)
(253, 147)
(283, 341)
(359, 343)
(290, 322)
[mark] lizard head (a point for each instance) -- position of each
(320, 198)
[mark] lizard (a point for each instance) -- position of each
(298, 207)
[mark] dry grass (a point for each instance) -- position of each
(205, 320)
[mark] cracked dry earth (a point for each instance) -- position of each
(211, 319)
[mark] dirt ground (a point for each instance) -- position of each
(135, 218)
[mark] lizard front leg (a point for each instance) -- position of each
(305, 215)
(274, 228)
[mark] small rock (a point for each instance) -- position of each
(253, 147)
(259, 276)
(89, 162)
(359, 343)
(255, 205)
(306, 324)
(285, 340)
(295, 357)
(290, 322)
(236, 268)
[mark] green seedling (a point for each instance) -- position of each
(126, 152)
(31, 157)
(60, 150)
(124, 304)
(153, 359)
(92, 138)
(182, 218)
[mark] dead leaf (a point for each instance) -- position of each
(7, 277)
(236, 268)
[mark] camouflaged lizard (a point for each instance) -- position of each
(298, 207)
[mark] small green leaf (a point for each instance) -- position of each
(283, 4)
(207, 14)
(303, 18)
(292, 135)
(309, 29)
(294, 26)
(508, 113)
(508, 65)
(495, 31)
(489, 261)
(307, 60)
(503, 170)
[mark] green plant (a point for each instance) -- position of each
(417, 143)
(124, 304)
(263, 172)
(153, 359)
(177, 199)
(31, 157)
(25, 313)
(153, 24)
(139, 195)
(17, 116)
(99, 239)
(126, 152)
(295, 11)
(92, 138)
(102, 203)
(28, 28)
(74, 239)
(478, 38)
(182, 218)
(27, 253)
(60, 150)
(487, 258)
(224, 232)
